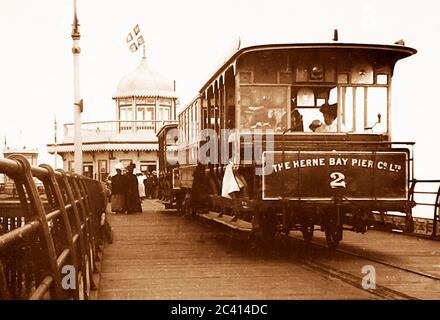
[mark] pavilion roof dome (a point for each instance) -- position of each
(144, 81)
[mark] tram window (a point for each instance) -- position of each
(263, 108)
(352, 108)
(360, 107)
(377, 104)
(382, 79)
(320, 101)
(204, 118)
(347, 108)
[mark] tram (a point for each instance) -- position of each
(297, 137)
(168, 167)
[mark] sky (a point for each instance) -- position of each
(185, 41)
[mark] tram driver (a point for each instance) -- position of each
(329, 112)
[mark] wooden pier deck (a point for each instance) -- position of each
(159, 255)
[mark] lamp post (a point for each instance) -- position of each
(76, 50)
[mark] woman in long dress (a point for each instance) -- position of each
(141, 185)
(118, 193)
(132, 200)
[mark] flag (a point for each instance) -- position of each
(133, 47)
(136, 30)
(135, 39)
(140, 41)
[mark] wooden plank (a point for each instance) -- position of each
(159, 255)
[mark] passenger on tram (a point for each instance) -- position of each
(258, 118)
(277, 119)
(329, 112)
(296, 120)
(315, 125)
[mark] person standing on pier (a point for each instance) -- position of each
(132, 199)
(117, 188)
(141, 185)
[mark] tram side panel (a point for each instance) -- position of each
(354, 175)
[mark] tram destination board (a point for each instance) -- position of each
(310, 175)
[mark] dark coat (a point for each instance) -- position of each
(118, 184)
(132, 199)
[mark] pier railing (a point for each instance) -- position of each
(428, 196)
(48, 241)
(424, 219)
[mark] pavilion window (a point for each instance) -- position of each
(144, 118)
(125, 115)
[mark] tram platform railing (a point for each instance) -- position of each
(423, 198)
(49, 242)
(425, 194)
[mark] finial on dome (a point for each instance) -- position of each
(144, 55)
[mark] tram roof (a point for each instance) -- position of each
(399, 52)
(166, 127)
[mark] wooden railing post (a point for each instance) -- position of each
(91, 198)
(436, 213)
(80, 227)
(25, 179)
(51, 185)
(76, 182)
(41, 235)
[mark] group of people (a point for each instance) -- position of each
(129, 189)
(259, 117)
(148, 185)
(125, 196)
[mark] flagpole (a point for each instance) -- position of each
(76, 50)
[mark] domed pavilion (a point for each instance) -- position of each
(145, 101)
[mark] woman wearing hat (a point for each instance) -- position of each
(329, 112)
(118, 192)
(131, 189)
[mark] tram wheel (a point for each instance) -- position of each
(307, 232)
(333, 236)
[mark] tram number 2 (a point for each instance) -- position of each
(338, 180)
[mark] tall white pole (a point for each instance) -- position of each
(76, 50)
